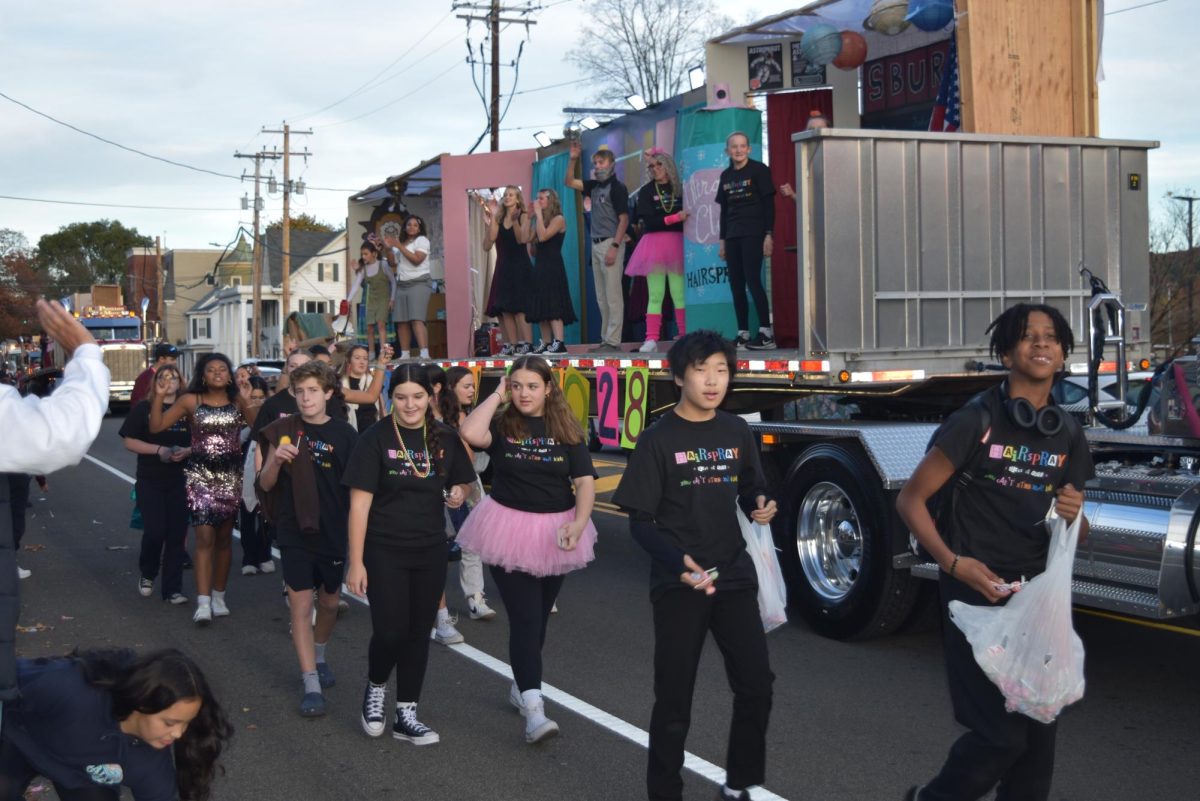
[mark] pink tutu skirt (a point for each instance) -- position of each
(658, 252)
(525, 541)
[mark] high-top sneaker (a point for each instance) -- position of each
(407, 727)
(538, 727)
(372, 709)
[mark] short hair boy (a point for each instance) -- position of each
(681, 488)
(610, 218)
(306, 455)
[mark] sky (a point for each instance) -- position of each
(195, 82)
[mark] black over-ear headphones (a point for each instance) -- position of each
(1048, 420)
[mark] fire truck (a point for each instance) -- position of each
(122, 336)
(909, 244)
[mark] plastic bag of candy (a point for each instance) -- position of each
(1029, 647)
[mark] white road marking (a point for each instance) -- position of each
(701, 767)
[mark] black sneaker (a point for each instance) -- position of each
(521, 349)
(540, 348)
(506, 349)
(761, 341)
(741, 340)
(407, 727)
(372, 709)
(724, 795)
(556, 347)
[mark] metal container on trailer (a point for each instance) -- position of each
(910, 243)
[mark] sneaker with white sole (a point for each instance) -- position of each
(219, 609)
(22, 573)
(373, 718)
(538, 727)
(506, 349)
(649, 346)
(408, 728)
(176, 599)
(446, 633)
(478, 609)
(267, 567)
(203, 615)
(540, 348)
(249, 570)
(145, 586)
(742, 340)
(761, 341)
(556, 348)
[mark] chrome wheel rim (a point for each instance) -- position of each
(829, 541)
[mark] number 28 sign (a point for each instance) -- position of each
(611, 428)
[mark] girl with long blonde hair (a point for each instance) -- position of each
(550, 301)
(508, 230)
(659, 253)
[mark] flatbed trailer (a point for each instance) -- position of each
(909, 245)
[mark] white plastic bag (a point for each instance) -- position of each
(772, 592)
(1029, 647)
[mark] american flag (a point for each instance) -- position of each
(947, 108)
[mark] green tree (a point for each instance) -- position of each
(81, 254)
(305, 222)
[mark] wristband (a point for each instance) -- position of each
(498, 395)
(953, 566)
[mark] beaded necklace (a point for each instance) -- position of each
(666, 201)
(404, 449)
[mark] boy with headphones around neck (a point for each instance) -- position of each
(1022, 455)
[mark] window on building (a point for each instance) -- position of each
(315, 306)
(201, 328)
(237, 280)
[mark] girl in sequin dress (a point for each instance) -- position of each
(216, 413)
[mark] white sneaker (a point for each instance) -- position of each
(249, 570)
(22, 573)
(554, 608)
(145, 585)
(477, 607)
(203, 615)
(373, 717)
(267, 567)
(649, 346)
(177, 599)
(538, 727)
(446, 633)
(219, 609)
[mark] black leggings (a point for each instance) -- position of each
(527, 600)
(403, 588)
(165, 523)
(256, 538)
(16, 773)
(18, 502)
(743, 258)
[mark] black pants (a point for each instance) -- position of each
(1002, 748)
(16, 774)
(256, 542)
(164, 526)
(404, 588)
(743, 259)
(682, 620)
(527, 601)
(18, 500)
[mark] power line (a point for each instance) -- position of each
(373, 78)
(378, 109)
(551, 86)
(109, 205)
(1133, 8)
(117, 144)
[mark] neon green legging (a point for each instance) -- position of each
(656, 286)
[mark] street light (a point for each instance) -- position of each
(637, 101)
(589, 123)
(1189, 201)
(696, 76)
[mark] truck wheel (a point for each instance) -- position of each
(836, 550)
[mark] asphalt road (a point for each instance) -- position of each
(850, 721)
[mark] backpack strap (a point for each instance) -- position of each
(966, 473)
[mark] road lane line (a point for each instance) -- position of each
(701, 767)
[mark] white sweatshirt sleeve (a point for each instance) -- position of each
(42, 435)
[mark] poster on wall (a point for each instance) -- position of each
(700, 143)
(765, 63)
(804, 72)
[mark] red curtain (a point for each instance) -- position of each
(788, 113)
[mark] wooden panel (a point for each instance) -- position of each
(1028, 66)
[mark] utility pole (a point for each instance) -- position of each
(158, 286)
(493, 19)
(287, 219)
(256, 270)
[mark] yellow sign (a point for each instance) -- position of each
(577, 393)
(637, 391)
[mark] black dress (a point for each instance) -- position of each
(550, 295)
(511, 281)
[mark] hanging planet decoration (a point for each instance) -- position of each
(887, 17)
(821, 44)
(930, 15)
(854, 51)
